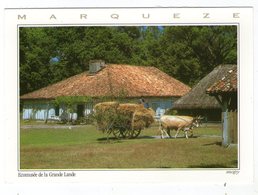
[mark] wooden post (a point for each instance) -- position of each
(233, 127)
(229, 118)
(225, 127)
(47, 113)
(230, 127)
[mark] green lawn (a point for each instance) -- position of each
(87, 148)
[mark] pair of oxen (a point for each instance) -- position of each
(175, 122)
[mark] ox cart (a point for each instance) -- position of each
(122, 120)
(126, 133)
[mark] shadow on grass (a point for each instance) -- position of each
(235, 162)
(182, 137)
(189, 137)
(116, 139)
(104, 139)
(214, 143)
(145, 137)
(110, 140)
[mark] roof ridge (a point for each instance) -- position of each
(223, 65)
(137, 80)
(131, 65)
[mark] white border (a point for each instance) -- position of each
(160, 16)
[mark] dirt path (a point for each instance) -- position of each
(180, 136)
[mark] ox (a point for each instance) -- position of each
(184, 123)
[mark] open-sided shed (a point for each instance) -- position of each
(198, 102)
(225, 92)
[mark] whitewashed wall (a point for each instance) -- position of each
(38, 111)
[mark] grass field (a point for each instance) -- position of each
(86, 148)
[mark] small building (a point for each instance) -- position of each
(147, 84)
(225, 92)
(198, 102)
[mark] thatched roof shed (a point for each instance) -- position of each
(197, 98)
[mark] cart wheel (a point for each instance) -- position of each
(135, 133)
(126, 134)
(118, 134)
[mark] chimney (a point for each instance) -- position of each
(95, 66)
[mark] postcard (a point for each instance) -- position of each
(134, 95)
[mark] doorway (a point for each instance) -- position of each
(80, 109)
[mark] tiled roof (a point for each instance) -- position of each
(134, 81)
(227, 83)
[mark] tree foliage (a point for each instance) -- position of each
(188, 53)
(70, 101)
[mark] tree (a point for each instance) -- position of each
(191, 52)
(36, 48)
(188, 53)
(150, 48)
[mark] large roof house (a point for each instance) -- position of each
(156, 88)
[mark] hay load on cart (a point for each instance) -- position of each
(123, 120)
